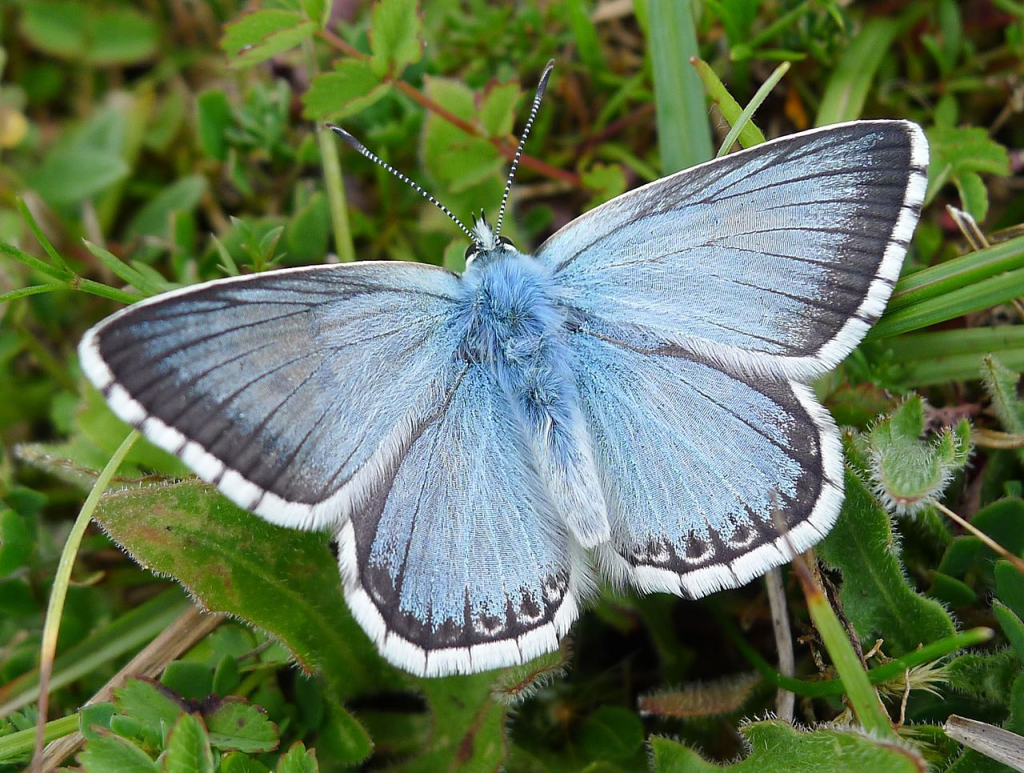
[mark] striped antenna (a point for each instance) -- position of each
(415, 186)
(541, 88)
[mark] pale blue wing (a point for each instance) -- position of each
(289, 390)
(711, 478)
(458, 563)
(776, 259)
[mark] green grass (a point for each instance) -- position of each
(152, 146)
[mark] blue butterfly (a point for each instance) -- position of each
(629, 401)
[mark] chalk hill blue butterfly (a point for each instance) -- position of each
(630, 400)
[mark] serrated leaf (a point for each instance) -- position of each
(876, 596)
(352, 87)
(188, 747)
(956, 152)
(110, 753)
(395, 37)
(778, 747)
(611, 733)
(258, 36)
(282, 581)
(604, 181)
(458, 160)
(497, 113)
(297, 760)
(156, 707)
(240, 726)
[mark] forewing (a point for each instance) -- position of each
(711, 478)
(776, 259)
(289, 390)
(460, 564)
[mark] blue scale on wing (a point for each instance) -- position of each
(461, 546)
(293, 379)
(693, 458)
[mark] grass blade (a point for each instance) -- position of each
(684, 134)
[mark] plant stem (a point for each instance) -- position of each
(62, 579)
(333, 180)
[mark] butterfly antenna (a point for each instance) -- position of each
(541, 88)
(415, 186)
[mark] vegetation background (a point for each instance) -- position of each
(151, 145)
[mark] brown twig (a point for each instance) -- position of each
(506, 146)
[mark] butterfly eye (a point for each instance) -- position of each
(506, 242)
(471, 252)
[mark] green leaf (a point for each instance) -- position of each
(611, 733)
(604, 181)
(1003, 521)
(188, 747)
(97, 36)
(959, 153)
(497, 112)
(156, 707)
(213, 118)
(1012, 627)
(471, 734)
(119, 36)
(848, 86)
(906, 473)
(985, 676)
(1010, 586)
(974, 762)
(351, 88)
(155, 218)
(112, 754)
(189, 679)
(684, 133)
(458, 160)
(297, 760)
(236, 762)
(282, 581)
(750, 135)
(69, 176)
(341, 738)
(256, 37)
(876, 596)
(237, 725)
(318, 11)
(395, 37)
(778, 747)
(17, 541)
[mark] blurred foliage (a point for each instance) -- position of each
(147, 146)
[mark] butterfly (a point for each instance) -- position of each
(629, 402)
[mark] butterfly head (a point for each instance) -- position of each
(486, 241)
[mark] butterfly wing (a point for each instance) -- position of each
(704, 470)
(289, 390)
(459, 563)
(775, 259)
